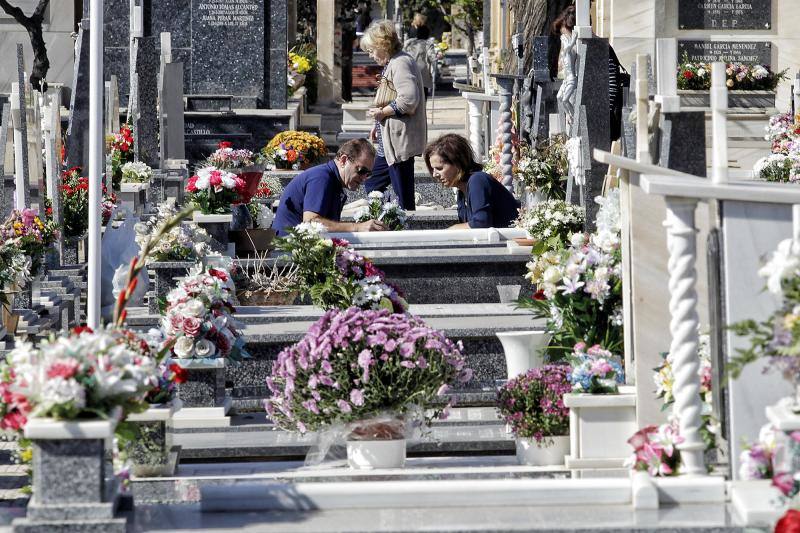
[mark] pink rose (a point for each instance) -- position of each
(191, 325)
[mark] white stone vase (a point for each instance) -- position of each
(523, 350)
(371, 454)
(550, 452)
(600, 426)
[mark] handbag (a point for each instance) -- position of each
(386, 92)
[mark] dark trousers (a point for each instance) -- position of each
(400, 175)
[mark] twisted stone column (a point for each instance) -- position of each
(505, 130)
(681, 242)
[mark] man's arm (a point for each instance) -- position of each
(333, 226)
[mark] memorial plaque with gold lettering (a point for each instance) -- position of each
(754, 52)
(725, 14)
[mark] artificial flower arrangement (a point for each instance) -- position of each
(655, 449)
(334, 275)
(779, 167)
(15, 268)
(782, 133)
(776, 338)
(551, 223)
(544, 168)
(136, 172)
(30, 235)
(75, 203)
(228, 158)
(213, 190)
(740, 76)
(378, 208)
(595, 370)
(295, 150)
(198, 321)
(169, 376)
(183, 242)
(119, 151)
(532, 404)
(302, 60)
(757, 459)
(664, 380)
(354, 365)
(579, 288)
(269, 187)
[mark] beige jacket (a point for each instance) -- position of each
(406, 136)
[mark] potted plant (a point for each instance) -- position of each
(119, 151)
(74, 192)
(295, 150)
(266, 284)
(550, 224)
(532, 405)
(579, 287)
(337, 377)
(213, 190)
(377, 208)
(198, 325)
(334, 275)
(749, 85)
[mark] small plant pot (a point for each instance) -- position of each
(371, 454)
(550, 452)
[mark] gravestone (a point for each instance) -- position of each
(171, 119)
(5, 115)
(111, 118)
(758, 52)
(146, 119)
(205, 131)
(78, 128)
(227, 47)
(52, 132)
(22, 181)
(592, 122)
(725, 14)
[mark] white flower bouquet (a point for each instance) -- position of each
(136, 172)
(183, 242)
(380, 209)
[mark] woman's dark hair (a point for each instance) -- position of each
(565, 19)
(454, 150)
(423, 32)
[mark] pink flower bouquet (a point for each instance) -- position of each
(198, 321)
(213, 190)
(533, 403)
(353, 365)
(655, 450)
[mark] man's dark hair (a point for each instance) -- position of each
(356, 148)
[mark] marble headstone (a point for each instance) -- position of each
(227, 47)
(78, 128)
(171, 120)
(725, 14)
(759, 52)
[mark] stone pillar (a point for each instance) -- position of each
(475, 125)
(329, 90)
(505, 127)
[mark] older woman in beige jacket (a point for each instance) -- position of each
(401, 127)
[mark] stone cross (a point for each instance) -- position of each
(667, 66)
(22, 195)
(52, 141)
(719, 117)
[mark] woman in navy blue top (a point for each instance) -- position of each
(482, 201)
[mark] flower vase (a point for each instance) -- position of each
(550, 452)
(71, 484)
(600, 425)
(204, 400)
(377, 444)
(523, 350)
(533, 198)
(151, 452)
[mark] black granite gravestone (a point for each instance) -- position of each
(756, 52)
(78, 129)
(204, 131)
(228, 47)
(725, 14)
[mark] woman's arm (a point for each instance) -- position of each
(404, 78)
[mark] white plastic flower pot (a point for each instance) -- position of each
(370, 454)
(523, 350)
(550, 452)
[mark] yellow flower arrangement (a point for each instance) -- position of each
(296, 150)
(299, 64)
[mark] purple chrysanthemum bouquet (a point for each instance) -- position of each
(354, 365)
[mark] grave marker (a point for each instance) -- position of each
(78, 128)
(22, 181)
(725, 14)
(52, 135)
(699, 51)
(112, 107)
(171, 118)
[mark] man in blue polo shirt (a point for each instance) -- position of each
(318, 193)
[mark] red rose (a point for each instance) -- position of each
(123, 147)
(215, 180)
(789, 523)
(539, 295)
(219, 274)
(191, 184)
(688, 74)
(224, 144)
(180, 373)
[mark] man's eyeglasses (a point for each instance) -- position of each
(363, 171)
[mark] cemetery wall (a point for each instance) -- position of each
(634, 24)
(58, 36)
